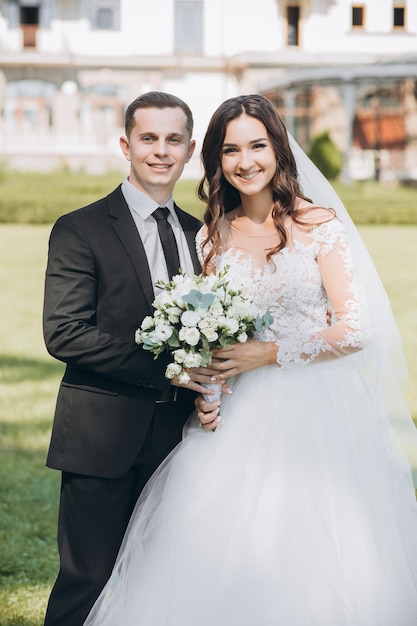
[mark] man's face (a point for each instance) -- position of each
(158, 148)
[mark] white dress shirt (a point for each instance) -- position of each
(141, 207)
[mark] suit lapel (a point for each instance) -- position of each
(125, 227)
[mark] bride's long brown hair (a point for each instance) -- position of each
(220, 196)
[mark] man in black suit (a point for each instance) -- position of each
(116, 417)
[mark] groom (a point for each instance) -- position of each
(116, 416)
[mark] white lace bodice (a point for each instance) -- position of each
(312, 274)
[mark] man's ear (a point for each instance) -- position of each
(191, 149)
(124, 145)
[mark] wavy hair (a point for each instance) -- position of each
(220, 196)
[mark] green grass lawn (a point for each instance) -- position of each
(36, 198)
(29, 381)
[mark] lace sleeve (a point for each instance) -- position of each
(346, 334)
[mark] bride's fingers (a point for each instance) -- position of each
(225, 370)
(204, 378)
(202, 374)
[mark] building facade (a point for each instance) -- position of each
(68, 69)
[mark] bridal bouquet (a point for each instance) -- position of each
(193, 316)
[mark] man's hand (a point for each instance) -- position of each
(200, 377)
(208, 413)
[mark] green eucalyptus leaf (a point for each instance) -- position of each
(192, 298)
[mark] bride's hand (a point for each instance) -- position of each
(241, 357)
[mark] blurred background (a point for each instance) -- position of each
(68, 69)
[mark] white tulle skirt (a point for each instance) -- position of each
(298, 511)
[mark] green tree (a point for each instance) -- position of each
(326, 155)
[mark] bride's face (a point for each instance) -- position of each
(247, 158)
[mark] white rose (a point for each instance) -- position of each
(162, 300)
(173, 369)
(192, 360)
(147, 323)
(158, 317)
(153, 339)
(178, 279)
(210, 333)
(216, 310)
(189, 335)
(173, 319)
(231, 325)
(181, 290)
(184, 378)
(138, 336)
(242, 337)
(179, 355)
(174, 310)
(241, 307)
(190, 318)
(163, 332)
(216, 322)
(220, 321)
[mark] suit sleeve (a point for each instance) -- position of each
(71, 319)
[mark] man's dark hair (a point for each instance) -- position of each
(156, 100)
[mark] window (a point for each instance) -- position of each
(293, 22)
(188, 26)
(379, 121)
(30, 89)
(105, 14)
(27, 107)
(29, 15)
(104, 19)
(358, 16)
(29, 22)
(102, 109)
(399, 17)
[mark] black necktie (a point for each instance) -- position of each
(169, 245)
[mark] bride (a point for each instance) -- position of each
(299, 510)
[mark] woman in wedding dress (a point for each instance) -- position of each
(299, 509)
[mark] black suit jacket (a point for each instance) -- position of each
(98, 289)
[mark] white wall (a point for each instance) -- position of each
(231, 27)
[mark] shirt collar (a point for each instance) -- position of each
(142, 204)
